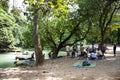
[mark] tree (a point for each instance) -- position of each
(61, 27)
(36, 6)
(37, 45)
(7, 28)
(106, 17)
(105, 11)
(114, 29)
(65, 29)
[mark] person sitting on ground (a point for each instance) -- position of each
(92, 49)
(86, 61)
(83, 55)
(93, 55)
(32, 56)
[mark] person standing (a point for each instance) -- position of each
(93, 48)
(73, 53)
(68, 50)
(75, 47)
(114, 49)
(81, 50)
(103, 49)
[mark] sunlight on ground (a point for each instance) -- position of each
(17, 70)
(8, 70)
(109, 54)
(105, 78)
(111, 58)
(53, 78)
(111, 48)
(12, 79)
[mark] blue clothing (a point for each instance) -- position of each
(93, 56)
(73, 53)
(86, 62)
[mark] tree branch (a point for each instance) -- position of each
(109, 21)
(70, 35)
(49, 37)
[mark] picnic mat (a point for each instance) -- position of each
(79, 64)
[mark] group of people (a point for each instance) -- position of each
(98, 53)
(92, 52)
(75, 50)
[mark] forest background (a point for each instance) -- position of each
(53, 24)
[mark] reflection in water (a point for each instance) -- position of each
(8, 59)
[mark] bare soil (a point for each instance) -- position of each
(63, 69)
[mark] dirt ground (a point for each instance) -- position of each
(63, 69)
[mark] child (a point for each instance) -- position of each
(73, 53)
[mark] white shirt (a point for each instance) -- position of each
(67, 48)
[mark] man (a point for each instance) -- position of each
(114, 49)
(103, 50)
(68, 50)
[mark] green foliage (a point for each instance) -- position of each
(5, 19)
(4, 4)
(6, 23)
(100, 16)
(60, 7)
(11, 31)
(44, 8)
(115, 22)
(6, 39)
(56, 22)
(28, 37)
(15, 11)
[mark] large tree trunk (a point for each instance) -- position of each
(55, 52)
(106, 18)
(38, 51)
(102, 36)
(62, 44)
